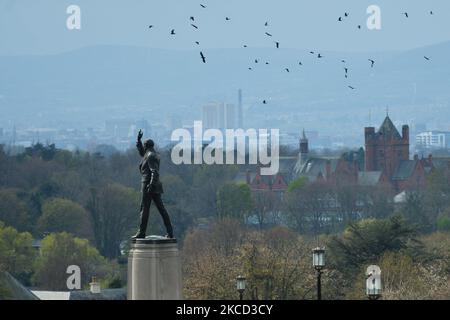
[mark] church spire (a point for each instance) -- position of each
(304, 149)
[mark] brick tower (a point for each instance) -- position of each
(385, 149)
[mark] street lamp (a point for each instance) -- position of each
(240, 285)
(319, 264)
(373, 282)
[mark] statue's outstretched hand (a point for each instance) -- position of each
(140, 134)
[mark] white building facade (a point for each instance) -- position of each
(433, 139)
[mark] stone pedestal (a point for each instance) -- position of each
(154, 269)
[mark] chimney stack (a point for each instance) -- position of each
(95, 286)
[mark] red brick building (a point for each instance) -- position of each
(387, 152)
(385, 149)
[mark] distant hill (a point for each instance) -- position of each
(94, 79)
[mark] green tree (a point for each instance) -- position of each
(437, 194)
(114, 211)
(365, 241)
(414, 211)
(297, 184)
(443, 221)
(13, 211)
(208, 179)
(16, 251)
(60, 250)
(64, 215)
(310, 208)
(234, 201)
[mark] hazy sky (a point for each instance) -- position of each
(39, 26)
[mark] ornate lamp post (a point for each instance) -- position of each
(373, 282)
(319, 264)
(240, 286)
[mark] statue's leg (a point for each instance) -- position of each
(145, 211)
(163, 212)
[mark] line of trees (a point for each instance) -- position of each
(88, 202)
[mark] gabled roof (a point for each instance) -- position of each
(315, 166)
(388, 130)
(369, 178)
(405, 170)
(441, 163)
(105, 294)
(286, 165)
(14, 290)
(52, 295)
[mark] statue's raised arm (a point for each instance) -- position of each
(139, 145)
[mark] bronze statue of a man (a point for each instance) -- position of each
(151, 186)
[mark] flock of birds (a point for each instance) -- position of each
(277, 44)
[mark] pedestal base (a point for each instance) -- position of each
(154, 269)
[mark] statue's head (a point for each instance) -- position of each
(149, 144)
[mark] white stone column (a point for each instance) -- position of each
(154, 269)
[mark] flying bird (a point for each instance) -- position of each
(150, 26)
(351, 87)
(406, 14)
(371, 62)
(266, 24)
(346, 14)
(228, 19)
(172, 32)
(192, 18)
(343, 61)
(312, 52)
(287, 69)
(359, 26)
(198, 43)
(277, 44)
(431, 12)
(267, 63)
(264, 102)
(300, 63)
(426, 58)
(203, 57)
(319, 56)
(346, 70)
(245, 46)
(340, 19)
(202, 5)
(256, 60)
(268, 34)
(250, 68)
(194, 26)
